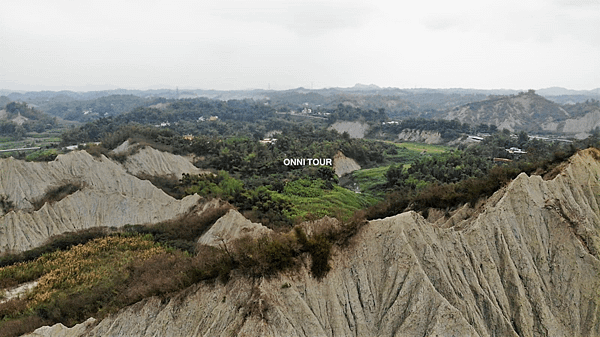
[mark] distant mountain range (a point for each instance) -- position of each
(369, 89)
(558, 91)
(550, 110)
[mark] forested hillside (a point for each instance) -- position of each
(18, 118)
(571, 114)
(203, 116)
(88, 110)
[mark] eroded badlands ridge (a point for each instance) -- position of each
(110, 197)
(527, 265)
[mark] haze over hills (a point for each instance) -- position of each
(522, 111)
(516, 111)
(156, 91)
(558, 91)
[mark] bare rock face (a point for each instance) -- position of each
(421, 136)
(526, 265)
(344, 165)
(525, 111)
(18, 291)
(584, 124)
(110, 197)
(157, 163)
(232, 226)
(59, 330)
(354, 129)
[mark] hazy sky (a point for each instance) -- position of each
(517, 44)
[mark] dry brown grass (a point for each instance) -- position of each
(75, 284)
(109, 273)
(21, 326)
(13, 306)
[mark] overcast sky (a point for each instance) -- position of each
(86, 45)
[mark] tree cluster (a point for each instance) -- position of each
(36, 121)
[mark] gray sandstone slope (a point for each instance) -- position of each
(354, 129)
(421, 136)
(344, 165)
(524, 111)
(150, 161)
(526, 265)
(230, 227)
(583, 124)
(110, 197)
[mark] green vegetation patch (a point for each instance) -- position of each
(371, 180)
(311, 199)
(42, 155)
(451, 180)
(420, 147)
(374, 181)
(220, 185)
(280, 204)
